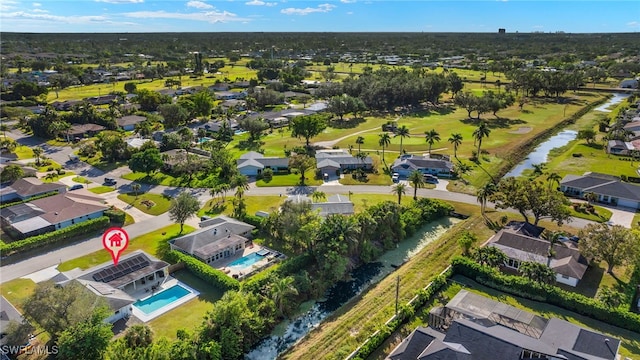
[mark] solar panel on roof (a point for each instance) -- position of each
(123, 268)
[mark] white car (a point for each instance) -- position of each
(395, 177)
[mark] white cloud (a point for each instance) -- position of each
(260, 3)
(349, 12)
(347, 1)
(91, 19)
(6, 5)
(121, 1)
(39, 11)
(323, 8)
(633, 24)
(208, 16)
(199, 5)
(36, 4)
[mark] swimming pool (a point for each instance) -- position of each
(204, 140)
(246, 261)
(161, 299)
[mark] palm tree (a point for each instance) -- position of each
(384, 141)
(359, 141)
(136, 187)
(538, 169)
(4, 128)
(241, 184)
(37, 152)
(417, 181)
(50, 176)
(483, 195)
(318, 195)
(280, 290)
(553, 177)
(590, 197)
(432, 136)
(456, 140)
(479, 133)
(403, 132)
(399, 189)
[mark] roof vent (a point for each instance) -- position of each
(56, 213)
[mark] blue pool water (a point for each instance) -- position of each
(161, 299)
(246, 261)
(204, 140)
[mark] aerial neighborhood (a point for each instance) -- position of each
(347, 195)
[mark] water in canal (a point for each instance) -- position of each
(343, 291)
(540, 153)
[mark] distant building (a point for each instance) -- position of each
(609, 189)
(253, 163)
(406, 164)
(473, 327)
(334, 162)
(129, 122)
(502, 31)
(335, 204)
(26, 188)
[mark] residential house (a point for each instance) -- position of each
(101, 100)
(29, 187)
(520, 243)
(632, 126)
(219, 238)
(8, 313)
(253, 163)
(220, 87)
(619, 147)
(79, 131)
(239, 105)
(629, 84)
(335, 204)
(406, 164)
(136, 275)
(609, 189)
(229, 95)
(473, 327)
(129, 122)
(66, 105)
(334, 162)
(51, 213)
(171, 158)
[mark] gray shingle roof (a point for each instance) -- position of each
(27, 187)
(603, 185)
(419, 162)
(204, 241)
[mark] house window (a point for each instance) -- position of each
(117, 312)
(564, 277)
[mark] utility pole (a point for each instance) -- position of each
(397, 292)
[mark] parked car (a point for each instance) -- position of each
(110, 182)
(395, 177)
(76, 187)
(430, 179)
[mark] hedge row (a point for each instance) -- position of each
(54, 236)
(291, 266)
(214, 277)
(523, 287)
(405, 313)
(116, 216)
(4, 205)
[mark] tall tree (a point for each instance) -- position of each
(417, 181)
(183, 207)
(384, 141)
(399, 189)
(37, 152)
(456, 140)
(303, 163)
(254, 126)
(147, 161)
(553, 178)
(402, 132)
(174, 115)
(307, 127)
(432, 137)
(317, 195)
(483, 195)
(281, 290)
(86, 340)
(489, 256)
(203, 103)
(537, 272)
(482, 131)
(359, 141)
(616, 245)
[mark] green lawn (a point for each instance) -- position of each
(156, 178)
(56, 177)
(23, 152)
(18, 290)
(636, 220)
(81, 180)
(597, 276)
(254, 203)
(128, 219)
(161, 203)
(102, 164)
(601, 214)
(102, 189)
(154, 243)
(291, 180)
(190, 315)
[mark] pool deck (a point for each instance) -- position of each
(170, 282)
(241, 272)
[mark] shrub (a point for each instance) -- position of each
(54, 236)
(577, 155)
(214, 277)
(116, 216)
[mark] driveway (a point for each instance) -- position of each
(621, 216)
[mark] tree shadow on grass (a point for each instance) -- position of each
(346, 124)
(249, 145)
(499, 122)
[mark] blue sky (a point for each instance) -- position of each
(324, 15)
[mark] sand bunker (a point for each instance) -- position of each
(521, 130)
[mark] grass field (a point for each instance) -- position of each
(17, 291)
(157, 178)
(154, 243)
(161, 202)
(254, 203)
(102, 189)
(102, 164)
(601, 214)
(630, 341)
(81, 180)
(291, 180)
(190, 315)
